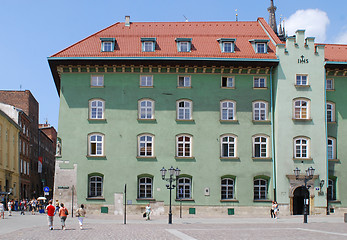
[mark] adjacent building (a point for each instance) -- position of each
(232, 105)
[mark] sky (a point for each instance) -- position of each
(31, 31)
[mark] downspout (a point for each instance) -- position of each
(272, 138)
(326, 138)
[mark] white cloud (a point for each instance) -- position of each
(314, 21)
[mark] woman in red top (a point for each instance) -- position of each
(63, 215)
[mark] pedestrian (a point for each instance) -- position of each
(22, 207)
(57, 206)
(148, 212)
(2, 210)
(276, 210)
(63, 212)
(50, 214)
(272, 211)
(9, 207)
(33, 206)
(81, 213)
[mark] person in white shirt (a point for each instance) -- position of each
(9, 206)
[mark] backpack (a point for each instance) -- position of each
(66, 212)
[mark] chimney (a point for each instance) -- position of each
(127, 21)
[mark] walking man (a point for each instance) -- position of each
(50, 214)
(9, 206)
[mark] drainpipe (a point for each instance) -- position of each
(326, 138)
(272, 138)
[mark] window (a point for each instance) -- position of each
(331, 190)
(301, 147)
(260, 111)
(95, 186)
(331, 148)
(146, 109)
(228, 47)
(184, 44)
(330, 84)
(227, 188)
(97, 81)
(259, 82)
(148, 47)
(301, 80)
(146, 81)
(183, 146)
(145, 187)
(96, 109)
(261, 47)
(184, 188)
(227, 82)
(107, 44)
(227, 109)
(260, 147)
(184, 110)
(228, 146)
(260, 189)
(330, 112)
(96, 145)
(301, 109)
(184, 81)
(145, 146)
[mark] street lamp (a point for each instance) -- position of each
(309, 175)
(172, 173)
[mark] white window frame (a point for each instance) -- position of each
(330, 86)
(300, 109)
(227, 188)
(148, 46)
(95, 180)
(146, 80)
(184, 183)
(184, 112)
(184, 82)
(301, 80)
(231, 146)
(146, 109)
(107, 46)
(331, 148)
(145, 145)
(330, 112)
(301, 148)
(231, 47)
(260, 111)
(331, 189)
(184, 46)
(263, 146)
(97, 109)
(228, 109)
(229, 80)
(259, 82)
(183, 145)
(260, 185)
(99, 144)
(257, 47)
(144, 187)
(97, 81)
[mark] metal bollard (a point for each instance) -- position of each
(345, 217)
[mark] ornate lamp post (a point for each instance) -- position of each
(172, 173)
(308, 176)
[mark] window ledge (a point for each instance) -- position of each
(185, 199)
(229, 121)
(334, 201)
(262, 158)
(333, 122)
(185, 120)
(330, 90)
(229, 200)
(262, 200)
(98, 157)
(302, 159)
(184, 87)
(261, 121)
(227, 87)
(97, 86)
(302, 119)
(95, 198)
(302, 86)
(148, 120)
(97, 120)
(143, 158)
(146, 86)
(334, 160)
(260, 88)
(229, 158)
(190, 159)
(145, 199)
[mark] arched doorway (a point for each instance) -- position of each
(298, 200)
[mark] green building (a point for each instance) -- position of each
(231, 104)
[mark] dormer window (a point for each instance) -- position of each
(107, 44)
(184, 44)
(259, 45)
(148, 44)
(227, 44)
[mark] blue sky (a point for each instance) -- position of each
(31, 31)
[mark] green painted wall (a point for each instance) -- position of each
(121, 128)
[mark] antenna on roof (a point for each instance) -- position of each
(237, 16)
(185, 18)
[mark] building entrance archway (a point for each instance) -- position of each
(300, 194)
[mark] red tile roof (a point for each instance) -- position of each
(204, 37)
(335, 53)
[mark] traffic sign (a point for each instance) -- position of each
(46, 189)
(46, 193)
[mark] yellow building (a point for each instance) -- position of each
(9, 157)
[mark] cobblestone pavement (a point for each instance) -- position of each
(35, 227)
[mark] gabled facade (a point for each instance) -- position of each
(227, 103)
